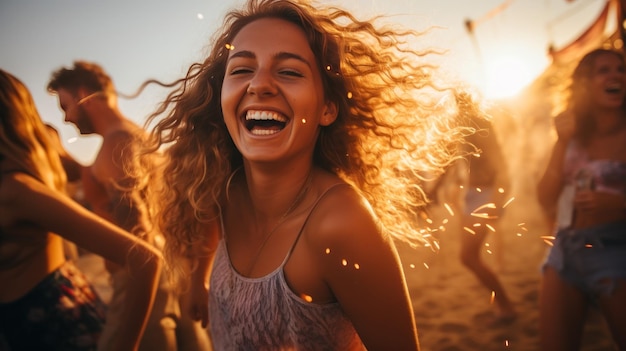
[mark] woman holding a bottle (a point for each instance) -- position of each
(585, 186)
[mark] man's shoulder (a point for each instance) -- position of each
(124, 130)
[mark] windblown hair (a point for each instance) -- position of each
(82, 74)
(23, 136)
(391, 130)
(578, 92)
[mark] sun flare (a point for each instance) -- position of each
(506, 76)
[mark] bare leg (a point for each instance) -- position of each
(471, 258)
(562, 314)
(614, 310)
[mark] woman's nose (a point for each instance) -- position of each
(262, 84)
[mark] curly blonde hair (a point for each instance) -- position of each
(577, 94)
(392, 130)
(24, 138)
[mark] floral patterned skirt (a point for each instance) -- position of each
(63, 312)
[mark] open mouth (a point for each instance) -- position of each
(264, 122)
(614, 89)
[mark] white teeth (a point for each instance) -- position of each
(264, 131)
(265, 116)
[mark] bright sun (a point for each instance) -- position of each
(505, 76)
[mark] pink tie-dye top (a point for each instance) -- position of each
(598, 175)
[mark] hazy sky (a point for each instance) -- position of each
(140, 39)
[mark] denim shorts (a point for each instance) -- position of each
(592, 258)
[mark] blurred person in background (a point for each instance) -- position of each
(87, 96)
(46, 303)
(583, 191)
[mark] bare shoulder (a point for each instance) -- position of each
(343, 219)
(125, 134)
(14, 184)
(8, 190)
(18, 193)
(118, 146)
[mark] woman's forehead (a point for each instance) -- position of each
(270, 34)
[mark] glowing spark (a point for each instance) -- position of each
(412, 265)
(548, 242)
(490, 227)
(487, 244)
(488, 205)
(349, 95)
(493, 297)
(469, 230)
(344, 262)
(429, 221)
(306, 298)
(328, 68)
(508, 202)
(200, 16)
(449, 209)
(501, 190)
(445, 221)
(72, 140)
(518, 234)
(327, 250)
(426, 265)
(437, 245)
(489, 252)
(229, 47)
(304, 121)
(476, 225)
(481, 215)
(357, 266)
(547, 237)
(479, 190)
(506, 343)
(588, 246)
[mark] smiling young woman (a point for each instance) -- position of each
(294, 155)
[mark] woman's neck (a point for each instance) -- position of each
(609, 122)
(270, 194)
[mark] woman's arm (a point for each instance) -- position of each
(53, 211)
(551, 183)
(364, 272)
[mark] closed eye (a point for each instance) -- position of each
(240, 70)
(291, 73)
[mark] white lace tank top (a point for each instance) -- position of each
(265, 314)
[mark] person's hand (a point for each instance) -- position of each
(199, 304)
(565, 125)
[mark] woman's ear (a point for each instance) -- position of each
(330, 114)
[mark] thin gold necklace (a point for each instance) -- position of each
(303, 190)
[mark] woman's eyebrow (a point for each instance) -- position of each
(282, 55)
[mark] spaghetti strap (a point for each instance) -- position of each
(306, 220)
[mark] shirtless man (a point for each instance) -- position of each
(87, 96)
